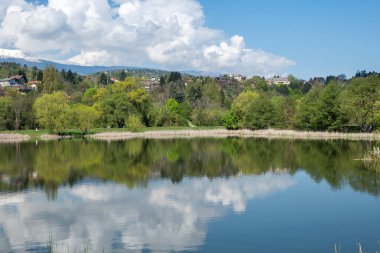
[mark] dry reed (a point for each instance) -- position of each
(47, 137)
(9, 138)
(221, 133)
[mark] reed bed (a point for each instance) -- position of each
(47, 137)
(206, 133)
(9, 138)
(373, 156)
(222, 133)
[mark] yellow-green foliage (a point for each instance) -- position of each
(53, 111)
(51, 79)
(242, 104)
(84, 117)
(133, 122)
(243, 101)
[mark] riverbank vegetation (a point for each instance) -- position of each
(66, 100)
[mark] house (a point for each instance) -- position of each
(114, 80)
(153, 79)
(34, 84)
(278, 81)
(237, 77)
(221, 80)
(150, 85)
(13, 81)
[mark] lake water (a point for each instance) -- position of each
(200, 195)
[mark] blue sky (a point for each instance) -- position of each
(321, 37)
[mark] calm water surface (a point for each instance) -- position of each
(200, 195)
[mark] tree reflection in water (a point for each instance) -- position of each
(85, 184)
(135, 162)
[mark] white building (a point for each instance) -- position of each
(278, 81)
(237, 77)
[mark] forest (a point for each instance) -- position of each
(130, 99)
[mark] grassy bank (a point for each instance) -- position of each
(184, 132)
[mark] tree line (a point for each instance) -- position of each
(351, 106)
(66, 100)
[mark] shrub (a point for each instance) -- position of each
(231, 120)
(133, 122)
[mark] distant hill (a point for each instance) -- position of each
(29, 60)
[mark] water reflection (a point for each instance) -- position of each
(163, 217)
(159, 195)
(136, 162)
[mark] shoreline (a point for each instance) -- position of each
(223, 133)
(200, 133)
(13, 137)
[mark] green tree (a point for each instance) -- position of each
(211, 91)
(51, 80)
(84, 117)
(260, 83)
(329, 116)
(70, 77)
(177, 91)
(307, 110)
(122, 99)
(103, 79)
(284, 112)
(172, 105)
(175, 77)
(123, 75)
(88, 96)
(115, 108)
(358, 102)
(162, 81)
(171, 113)
(17, 107)
(53, 111)
(133, 122)
(282, 89)
(5, 111)
(231, 120)
(260, 113)
(241, 106)
(184, 110)
(320, 109)
(194, 92)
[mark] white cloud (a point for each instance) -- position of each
(4, 6)
(158, 33)
(226, 55)
(163, 217)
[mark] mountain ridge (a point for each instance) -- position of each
(21, 57)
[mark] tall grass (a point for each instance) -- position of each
(187, 132)
(222, 133)
(13, 137)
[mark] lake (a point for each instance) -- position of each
(189, 195)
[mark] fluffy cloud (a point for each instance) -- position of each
(160, 218)
(157, 33)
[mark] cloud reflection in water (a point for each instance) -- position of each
(163, 217)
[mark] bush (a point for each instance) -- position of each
(231, 120)
(208, 117)
(133, 122)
